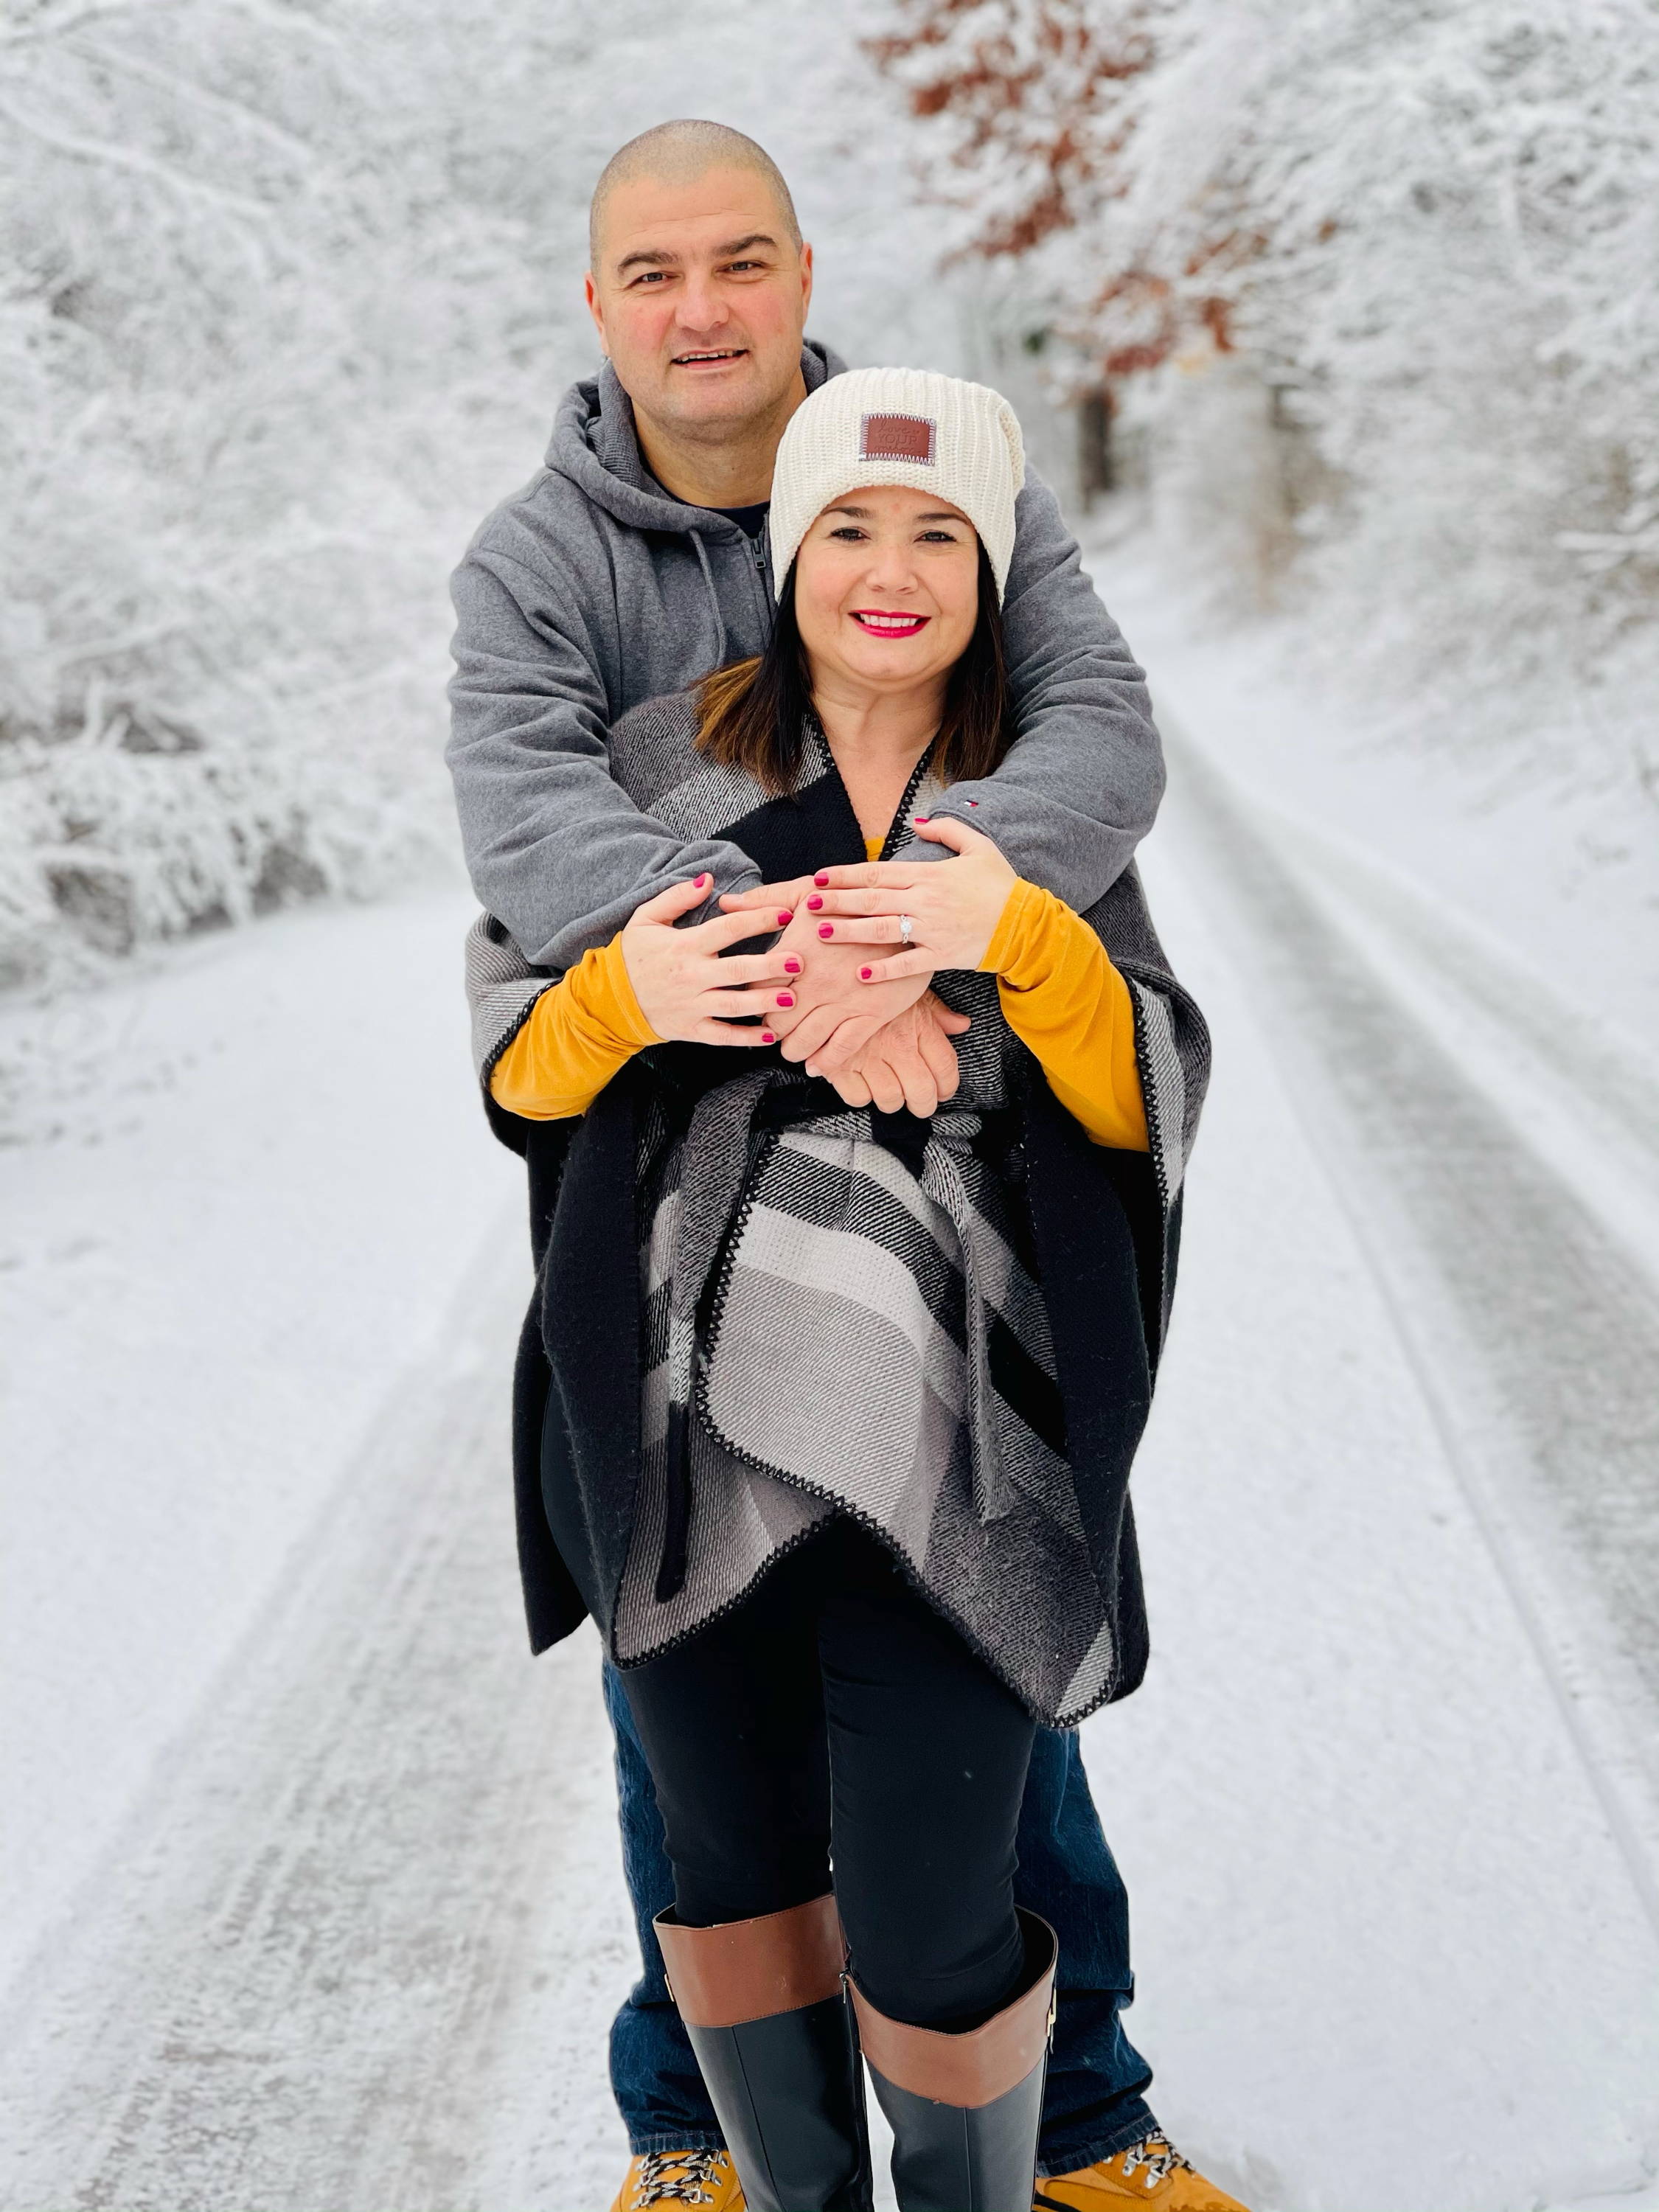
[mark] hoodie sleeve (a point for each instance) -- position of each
(556, 849)
(1080, 787)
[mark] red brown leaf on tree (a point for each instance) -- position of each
(1035, 108)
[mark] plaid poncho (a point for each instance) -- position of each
(945, 1328)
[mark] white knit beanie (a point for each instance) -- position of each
(900, 426)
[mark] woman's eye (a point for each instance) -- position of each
(939, 538)
(849, 531)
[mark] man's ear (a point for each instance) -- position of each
(594, 309)
(805, 279)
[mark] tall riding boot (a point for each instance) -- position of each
(965, 2109)
(765, 2008)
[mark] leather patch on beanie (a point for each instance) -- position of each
(897, 438)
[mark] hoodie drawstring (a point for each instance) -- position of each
(722, 644)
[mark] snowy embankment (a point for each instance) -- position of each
(239, 1188)
(1383, 1804)
(1556, 880)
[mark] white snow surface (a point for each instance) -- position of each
(312, 1876)
(243, 1186)
(1555, 872)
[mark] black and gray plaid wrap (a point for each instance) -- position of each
(841, 1315)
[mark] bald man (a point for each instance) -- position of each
(634, 562)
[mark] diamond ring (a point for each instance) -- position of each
(905, 927)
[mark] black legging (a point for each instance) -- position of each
(836, 1709)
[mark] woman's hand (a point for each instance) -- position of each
(954, 905)
(686, 991)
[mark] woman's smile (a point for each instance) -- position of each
(884, 622)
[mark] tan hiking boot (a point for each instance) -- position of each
(680, 2177)
(1152, 2173)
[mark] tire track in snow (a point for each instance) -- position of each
(1534, 1332)
(361, 1930)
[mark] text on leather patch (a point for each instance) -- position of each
(897, 438)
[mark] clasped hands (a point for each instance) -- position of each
(866, 1022)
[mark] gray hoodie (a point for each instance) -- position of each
(592, 589)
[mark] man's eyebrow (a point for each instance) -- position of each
(659, 257)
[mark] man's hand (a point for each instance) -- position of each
(909, 1062)
(888, 1044)
(823, 1012)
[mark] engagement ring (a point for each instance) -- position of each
(905, 927)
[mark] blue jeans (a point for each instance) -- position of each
(1094, 2103)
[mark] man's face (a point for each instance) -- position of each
(700, 296)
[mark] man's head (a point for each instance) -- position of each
(698, 280)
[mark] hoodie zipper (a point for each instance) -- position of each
(759, 542)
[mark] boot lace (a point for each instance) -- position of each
(1159, 2155)
(659, 2182)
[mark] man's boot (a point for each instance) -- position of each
(765, 2008)
(965, 2109)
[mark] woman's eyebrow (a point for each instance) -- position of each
(862, 515)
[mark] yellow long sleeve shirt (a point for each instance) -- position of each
(1060, 995)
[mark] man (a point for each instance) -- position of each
(635, 561)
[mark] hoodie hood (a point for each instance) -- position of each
(595, 446)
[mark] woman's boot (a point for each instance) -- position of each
(764, 2005)
(965, 2109)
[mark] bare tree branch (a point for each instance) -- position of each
(216, 103)
(143, 164)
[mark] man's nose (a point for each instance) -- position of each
(701, 306)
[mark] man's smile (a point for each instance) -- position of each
(708, 356)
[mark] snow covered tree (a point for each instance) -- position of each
(1427, 232)
(269, 339)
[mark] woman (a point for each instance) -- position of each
(837, 1404)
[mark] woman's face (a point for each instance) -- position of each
(887, 588)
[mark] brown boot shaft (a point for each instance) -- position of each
(748, 1970)
(964, 2070)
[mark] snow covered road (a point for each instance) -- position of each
(1385, 1804)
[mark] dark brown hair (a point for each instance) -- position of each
(753, 714)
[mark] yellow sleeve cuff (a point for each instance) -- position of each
(1021, 933)
(1062, 997)
(578, 1035)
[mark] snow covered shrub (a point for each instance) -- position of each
(260, 355)
(1429, 231)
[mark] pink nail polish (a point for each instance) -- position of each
(814, 904)
(867, 973)
(821, 878)
(923, 817)
(701, 882)
(784, 920)
(786, 998)
(826, 929)
(791, 966)
(766, 1037)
